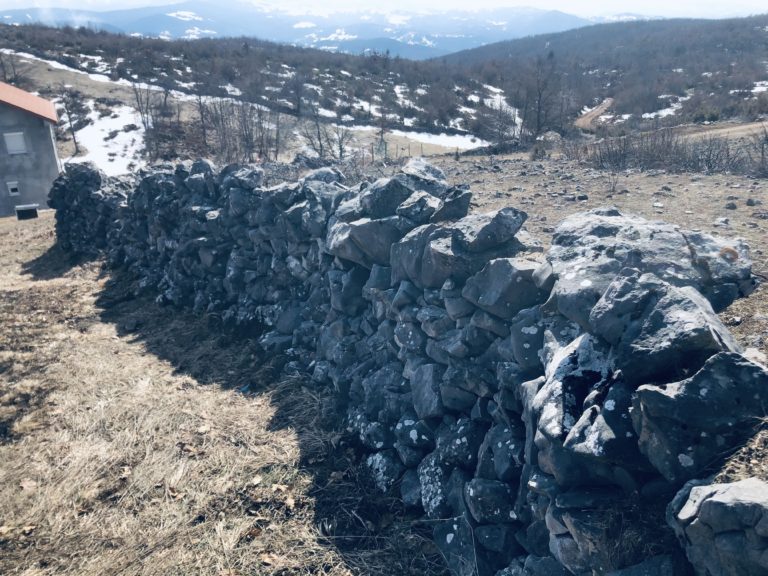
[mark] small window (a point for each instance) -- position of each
(15, 143)
(13, 188)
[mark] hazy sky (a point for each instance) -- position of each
(692, 8)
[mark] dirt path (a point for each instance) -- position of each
(127, 445)
(586, 121)
(725, 130)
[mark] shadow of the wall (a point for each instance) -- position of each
(53, 263)
(373, 533)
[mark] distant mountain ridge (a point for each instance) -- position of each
(412, 35)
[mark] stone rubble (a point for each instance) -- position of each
(522, 400)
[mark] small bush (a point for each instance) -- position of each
(667, 150)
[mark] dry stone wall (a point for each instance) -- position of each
(539, 408)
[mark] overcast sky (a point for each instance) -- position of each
(692, 8)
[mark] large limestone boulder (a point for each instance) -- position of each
(590, 248)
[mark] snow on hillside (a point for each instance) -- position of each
(460, 141)
(185, 16)
(113, 149)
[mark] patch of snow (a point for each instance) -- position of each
(115, 155)
(232, 90)
(670, 110)
(304, 24)
(196, 33)
(185, 16)
(460, 141)
(339, 36)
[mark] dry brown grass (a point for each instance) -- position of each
(135, 453)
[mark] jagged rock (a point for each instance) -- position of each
(419, 207)
(499, 538)
(685, 427)
(433, 478)
(573, 372)
(326, 174)
(385, 468)
(455, 540)
(544, 566)
(375, 238)
(723, 527)
(526, 339)
(455, 205)
(604, 431)
(659, 332)
(457, 444)
(490, 501)
(412, 432)
(589, 249)
(382, 198)
(425, 385)
(504, 287)
(481, 232)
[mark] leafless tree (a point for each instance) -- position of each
(75, 112)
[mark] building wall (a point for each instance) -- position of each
(34, 170)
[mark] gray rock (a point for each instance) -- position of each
(516, 568)
(385, 468)
(375, 238)
(433, 477)
(425, 385)
(723, 527)
(490, 501)
(410, 489)
(659, 332)
(454, 537)
(481, 232)
(458, 443)
(656, 566)
(504, 287)
(419, 207)
(687, 426)
(499, 538)
(382, 198)
(325, 174)
(567, 552)
(413, 432)
(526, 339)
(590, 248)
(604, 431)
(544, 566)
(455, 205)
(574, 371)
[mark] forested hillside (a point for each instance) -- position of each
(375, 89)
(681, 70)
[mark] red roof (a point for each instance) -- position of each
(25, 101)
